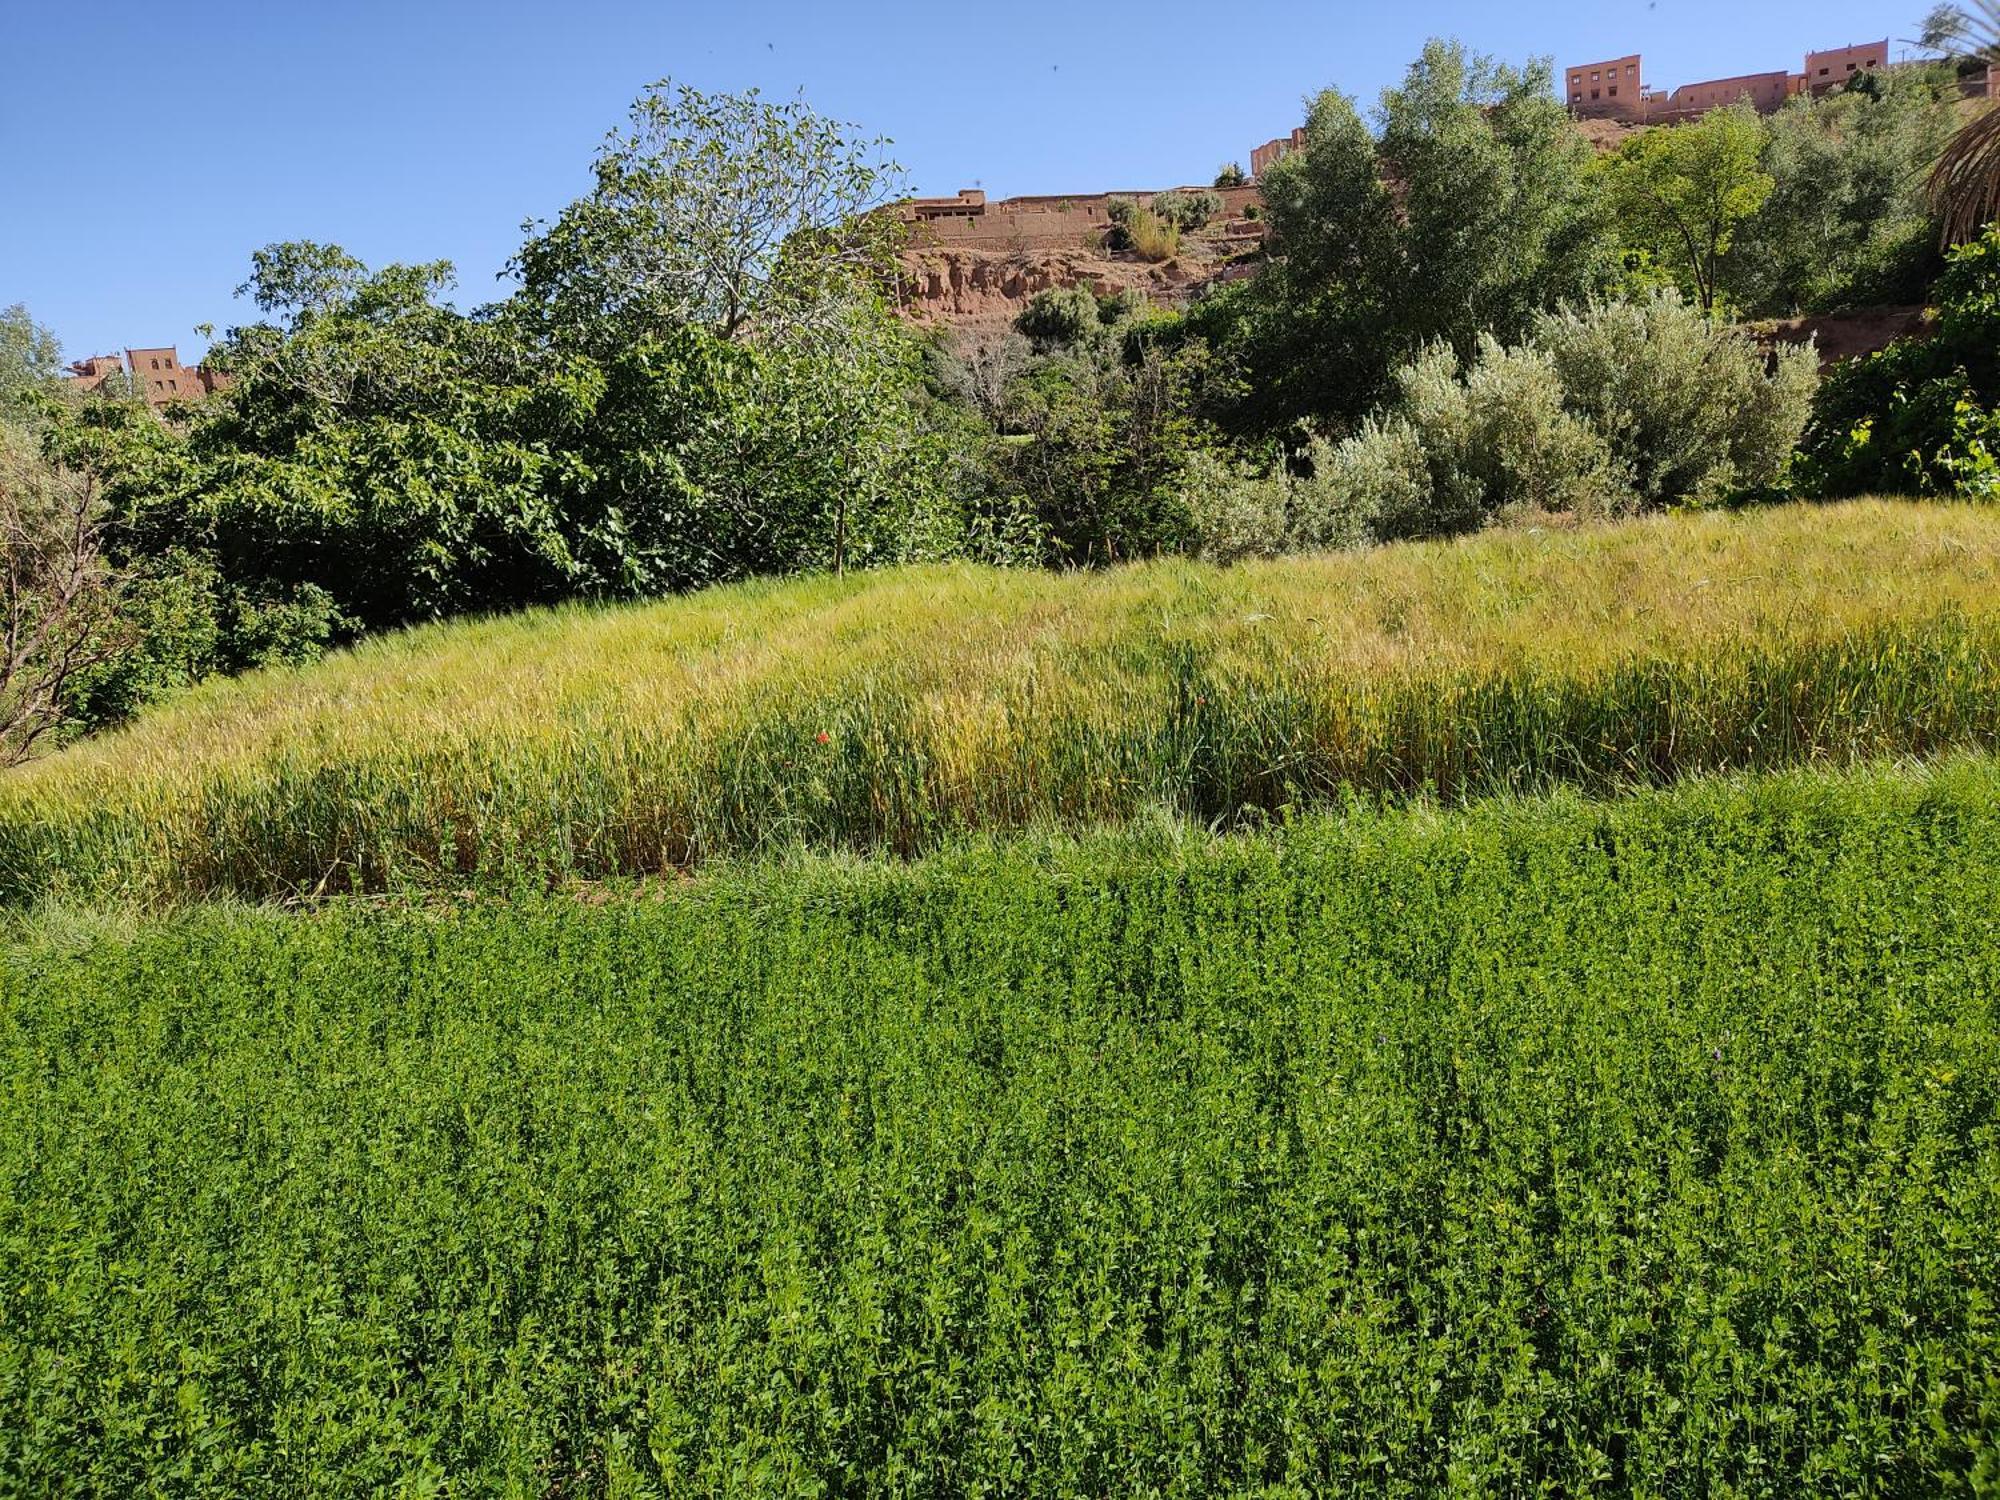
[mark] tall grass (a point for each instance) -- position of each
(894, 710)
(1153, 236)
(1644, 1147)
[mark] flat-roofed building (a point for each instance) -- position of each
(1614, 89)
(156, 374)
(1829, 70)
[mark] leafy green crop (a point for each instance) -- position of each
(1647, 1148)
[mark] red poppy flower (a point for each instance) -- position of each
(824, 738)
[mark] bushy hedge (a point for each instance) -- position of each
(1605, 410)
(1647, 1148)
(1922, 416)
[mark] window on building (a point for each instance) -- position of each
(1593, 75)
(156, 364)
(1824, 71)
(1613, 91)
(1593, 93)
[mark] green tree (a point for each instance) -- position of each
(30, 357)
(1681, 193)
(730, 220)
(381, 456)
(1846, 221)
(725, 213)
(1494, 215)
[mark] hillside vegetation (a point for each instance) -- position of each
(1642, 1147)
(898, 709)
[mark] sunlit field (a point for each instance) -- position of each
(896, 710)
(1547, 1147)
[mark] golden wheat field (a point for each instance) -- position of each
(894, 709)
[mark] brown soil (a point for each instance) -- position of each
(978, 288)
(1846, 335)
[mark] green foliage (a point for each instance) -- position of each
(30, 359)
(1693, 411)
(1099, 440)
(723, 213)
(1238, 508)
(1641, 1148)
(1605, 410)
(378, 446)
(1464, 446)
(898, 711)
(1495, 217)
(699, 380)
(1186, 211)
(1846, 223)
(1922, 416)
(1232, 175)
(1059, 317)
(1680, 193)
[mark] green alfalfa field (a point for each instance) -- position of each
(1528, 1023)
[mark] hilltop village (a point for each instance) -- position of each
(976, 261)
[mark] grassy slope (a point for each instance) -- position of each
(896, 709)
(1648, 1146)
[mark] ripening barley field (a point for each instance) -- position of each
(1544, 1147)
(896, 711)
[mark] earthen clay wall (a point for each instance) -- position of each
(1050, 221)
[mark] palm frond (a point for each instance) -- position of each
(1964, 183)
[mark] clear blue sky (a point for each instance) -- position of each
(147, 149)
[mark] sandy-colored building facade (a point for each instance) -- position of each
(1607, 90)
(1050, 221)
(1268, 155)
(1616, 89)
(156, 374)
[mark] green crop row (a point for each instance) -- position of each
(1546, 1148)
(902, 710)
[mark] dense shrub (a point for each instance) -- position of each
(1466, 444)
(1558, 1149)
(1605, 410)
(1059, 316)
(1693, 410)
(1922, 416)
(1096, 439)
(1187, 211)
(1240, 509)
(1231, 176)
